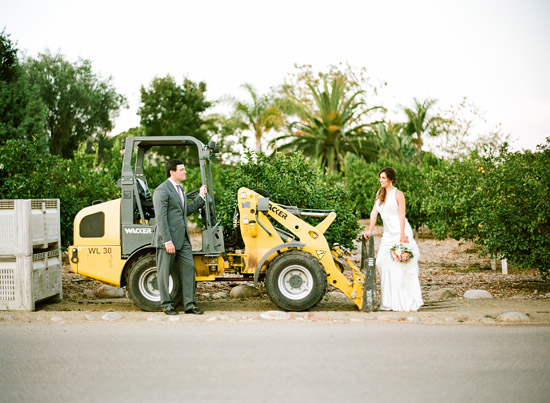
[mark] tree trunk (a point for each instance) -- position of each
(418, 149)
(258, 141)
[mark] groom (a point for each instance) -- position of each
(171, 237)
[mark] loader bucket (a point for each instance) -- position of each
(370, 301)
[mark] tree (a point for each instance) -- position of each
(516, 217)
(465, 129)
(394, 143)
(421, 122)
(497, 199)
(331, 126)
(261, 115)
(25, 173)
(79, 103)
(358, 83)
(22, 114)
(228, 132)
(171, 110)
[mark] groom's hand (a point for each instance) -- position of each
(203, 191)
(170, 248)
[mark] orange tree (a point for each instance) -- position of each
(500, 200)
(516, 216)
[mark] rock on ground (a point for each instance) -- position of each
(513, 317)
(244, 291)
(337, 296)
(442, 294)
(477, 294)
(277, 315)
(106, 291)
(89, 294)
(111, 316)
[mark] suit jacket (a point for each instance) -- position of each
(171, 215)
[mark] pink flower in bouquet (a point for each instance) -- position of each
(400, 253)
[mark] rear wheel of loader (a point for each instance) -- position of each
(143, 287)
(295, 281)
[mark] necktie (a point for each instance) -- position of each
(180, 194)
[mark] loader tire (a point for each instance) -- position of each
(295, 281)
(143, 287)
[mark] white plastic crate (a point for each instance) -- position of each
(28, 224)
(25, 280)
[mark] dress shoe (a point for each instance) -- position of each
(195, 311)
(171, 312)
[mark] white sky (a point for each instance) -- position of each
(495, 52)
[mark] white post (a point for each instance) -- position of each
(504, 264)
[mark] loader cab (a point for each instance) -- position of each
(137, 215)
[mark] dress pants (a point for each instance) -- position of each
(181, 261)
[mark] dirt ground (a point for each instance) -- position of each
(442, 264)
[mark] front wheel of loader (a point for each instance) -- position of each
(143, 287)
(295, 281)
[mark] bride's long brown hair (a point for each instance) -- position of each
(392, 176)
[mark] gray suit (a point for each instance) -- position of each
(171, 218)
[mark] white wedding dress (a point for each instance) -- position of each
(400, 287)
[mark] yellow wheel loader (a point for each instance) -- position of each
(271, 242)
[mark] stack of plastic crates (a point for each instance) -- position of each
(30, 254)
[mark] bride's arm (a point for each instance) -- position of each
(372, 222)
(401, 209)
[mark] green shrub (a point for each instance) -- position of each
(362, 182)
(454, 194)
(27, 174)
(516, 216)
(501, 201)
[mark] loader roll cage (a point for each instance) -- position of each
(136, 204)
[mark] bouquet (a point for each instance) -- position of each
(401, 253)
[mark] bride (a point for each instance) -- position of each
(400, 288)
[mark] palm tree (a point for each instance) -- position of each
(261, 115)
(420, 122)
(394, 143)
(331, 127)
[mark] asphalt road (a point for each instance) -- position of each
(272, 362)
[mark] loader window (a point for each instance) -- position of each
(93, 225)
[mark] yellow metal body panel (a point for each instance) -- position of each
(355, 289)
(99, 257)
(258, 241)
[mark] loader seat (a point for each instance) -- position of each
(146, 199)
